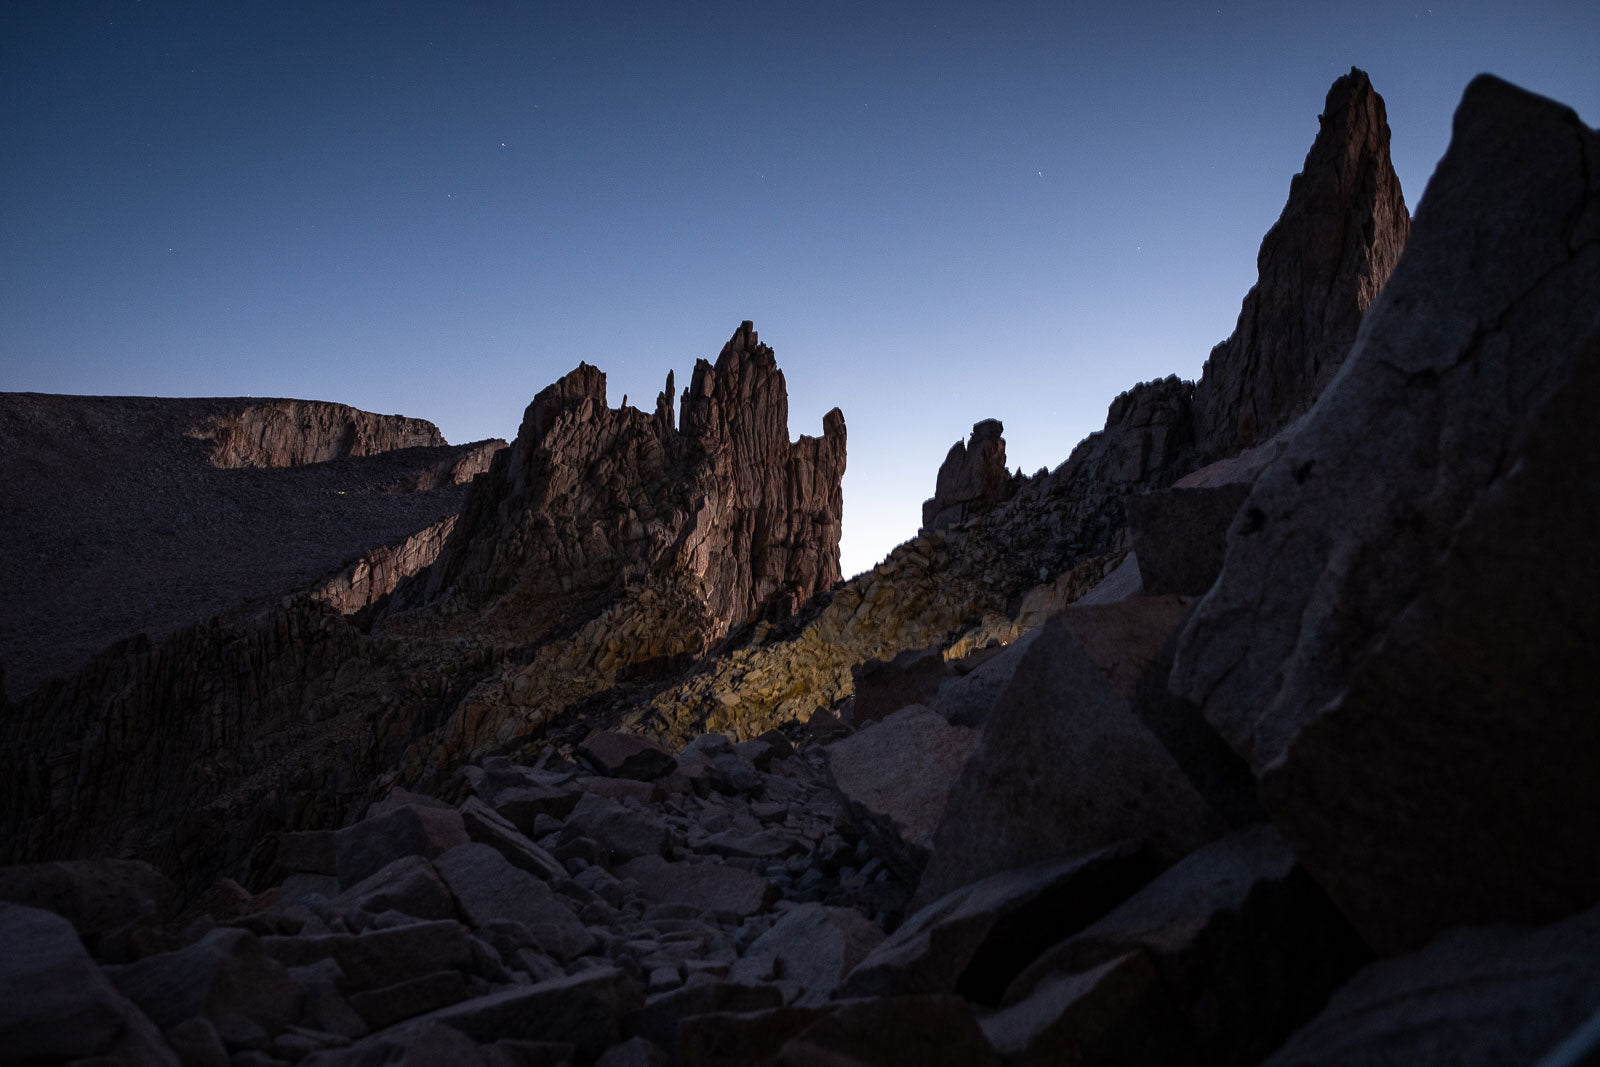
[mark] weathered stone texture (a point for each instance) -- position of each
(1322, 264)
(1398, 644)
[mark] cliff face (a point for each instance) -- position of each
(1324, 261)
(289, 433)
(117, 518)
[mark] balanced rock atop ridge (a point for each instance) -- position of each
(1321, 265)
(589, 498)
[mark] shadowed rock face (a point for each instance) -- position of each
(972, 479)
(1321, 265)
(124, 515)
(1400, 642)
(590, 498)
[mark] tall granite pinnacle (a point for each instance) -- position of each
(1322, 263)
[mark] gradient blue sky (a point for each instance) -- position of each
(935, 213)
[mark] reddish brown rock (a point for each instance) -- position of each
(620, 755)
(589, 496)
(972, 479)
(1321, 265)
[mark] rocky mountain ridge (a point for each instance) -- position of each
(128, 515)
(1306, 778)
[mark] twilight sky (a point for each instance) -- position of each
(934, 212)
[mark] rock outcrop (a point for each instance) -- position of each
(290, 433)
(117, 519)
(590, 498)
(1322, 264)
(1392, 645)
(972, 479)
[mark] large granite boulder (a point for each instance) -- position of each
(895, 777)
(56, 1005)
(1400, 643)
(1215, 961)
(1475, 996)
(1066, 764)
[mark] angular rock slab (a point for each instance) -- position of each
(713, 887)
(816, 946)
(619, 755)
(895, 777)
(56, 1005)
(407, 830)
(934, 1031)
(1476, 995)
(1066, 765)
(97, 896)
(1243, 947)
(487, 887)
(975, 940)
(1401, 641)
(1181, 535)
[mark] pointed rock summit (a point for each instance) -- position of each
(1324, 261)
(589, 499)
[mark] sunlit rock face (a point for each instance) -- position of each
(1321, 265)
(592, 500)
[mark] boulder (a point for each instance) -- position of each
(97, 896)
(658, 1019)
(975, 940)
(1243, 946)
(883, 687)
(895, 777)
(619, 755)
(1180, 535)
(741, 1038)
(1067, 765)
(1475, 995)
(56, 1005)
(623, 833)
(407, 830)
(410, 885)
(815, 946)
(486, 827)
(487, 887)
(1113, 1013)
(968, 700)
(938, 1031)
(379, 958)
(1439, 497)
(225, 976)
(713, 887)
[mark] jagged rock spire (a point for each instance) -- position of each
(1322, 263)
(589, 498)
(972, 479)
